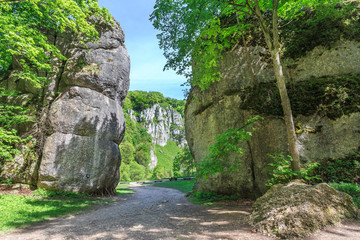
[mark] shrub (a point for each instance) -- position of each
(352, 189)
(226, 144)
(282, 172)
(57, 194)
(137, 171)
(206, 197)
(345, 170)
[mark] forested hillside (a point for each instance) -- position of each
(154, 136)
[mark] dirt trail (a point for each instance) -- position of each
(160, 213)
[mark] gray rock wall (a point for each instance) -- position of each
(81, 122)
(163, 124)
(217, 110)
(158, 122)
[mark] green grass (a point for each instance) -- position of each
(207, 199)
(20, 211)
(124, 189)
(166, 156)
(183, 186)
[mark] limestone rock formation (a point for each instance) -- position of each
(81, 122)
(296, 209)
(326, 115)
(163, 124)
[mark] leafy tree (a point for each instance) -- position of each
(23, 42)
(24, 24)
(137, 171)
(194, 34)
(184, 163)
(127, 150)
(10, 116)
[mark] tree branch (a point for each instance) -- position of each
(256, 10)
(275, 25)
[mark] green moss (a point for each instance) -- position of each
(332, 97)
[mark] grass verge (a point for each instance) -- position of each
(183, 186)
(207, 199)
(124, 189)
(165, 156)
(17, 211)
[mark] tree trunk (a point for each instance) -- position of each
(288, 117)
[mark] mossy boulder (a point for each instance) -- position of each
(297, 209)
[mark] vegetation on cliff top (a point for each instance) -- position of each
(136, 146)
(141, 100)
(333, 97)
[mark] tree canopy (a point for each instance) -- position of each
(23, 28)
(195, 33)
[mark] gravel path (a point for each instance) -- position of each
(160, 213)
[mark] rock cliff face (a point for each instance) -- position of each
(163, 124)
(324, 131)
(80, 118)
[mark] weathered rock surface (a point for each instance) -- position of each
(297, 209)
(163, 124)
(81, 122)
(220, 108)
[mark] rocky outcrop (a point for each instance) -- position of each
(81, 121)
(326, 114)
(163, 124)
(296, 210)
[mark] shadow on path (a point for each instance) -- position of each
(159, 213)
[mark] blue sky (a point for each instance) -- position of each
(147, 60)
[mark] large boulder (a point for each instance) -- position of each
(80, 121)
(297, 209)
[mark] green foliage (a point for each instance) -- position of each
(345, 170)
(281, 171)
(352, 189)
(125, 172)
(165, 156)
(137, 142)
(23, 25)
(124, 189)
(184, 163)
(226, 144)
(21, 211)
(57, 194)
(208, 198)
(10, 116)
(141, 100)
(137, 171)
(195, 33)
(321, 26)
(135, 152)
(183, 186)
(334, 97)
